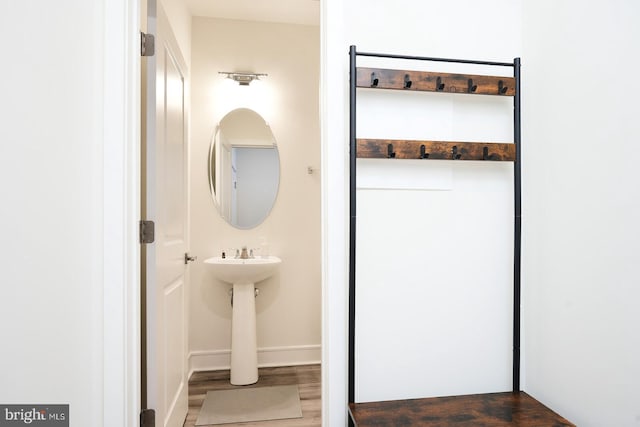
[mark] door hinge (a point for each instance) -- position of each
(148, 418)
(147, 44)
(147, 231)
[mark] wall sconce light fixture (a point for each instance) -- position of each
(243, 79)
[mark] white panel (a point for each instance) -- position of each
(483, 118)
(434, 269)
(403, 174)
(174, 342)
(404, 115)
(173, 178)
(434, 277)
(166, 199)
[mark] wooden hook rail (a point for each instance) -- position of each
(427, 81)
(444, 150)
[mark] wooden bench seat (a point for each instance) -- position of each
(478, 410)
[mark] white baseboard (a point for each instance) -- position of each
(217, 360)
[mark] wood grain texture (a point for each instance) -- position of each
(447, 150)
(479, 410)
(306, 377)
(427, 81)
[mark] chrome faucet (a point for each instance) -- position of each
(244, 254)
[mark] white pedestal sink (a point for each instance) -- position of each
(243, 274)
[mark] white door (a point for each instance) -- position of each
(166, 205)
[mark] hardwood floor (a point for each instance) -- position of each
(306, 377)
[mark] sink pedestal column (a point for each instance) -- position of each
(244, 343)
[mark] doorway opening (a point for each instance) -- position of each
(289, 101)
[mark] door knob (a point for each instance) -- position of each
(188, 259)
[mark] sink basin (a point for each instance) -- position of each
(241, 271)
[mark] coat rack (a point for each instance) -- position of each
(426, 81)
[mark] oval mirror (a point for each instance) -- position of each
(244, 168)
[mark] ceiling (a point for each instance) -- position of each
(305, 12)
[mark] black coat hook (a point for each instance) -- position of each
(487, 156)
(454, 153)
(407, 81)
(390, 153)
(502, 89)
(423, 152)
(374, 80)
(439, 84)
(470, 86)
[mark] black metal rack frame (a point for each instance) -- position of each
(353, 54)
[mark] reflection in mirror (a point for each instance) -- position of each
(244, 168)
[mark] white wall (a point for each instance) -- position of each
(335, 238)
(62, 257)
(51, 166)
(288, 307)
(180, 20)
(580, 314)
(434, 265)
(581, 206)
